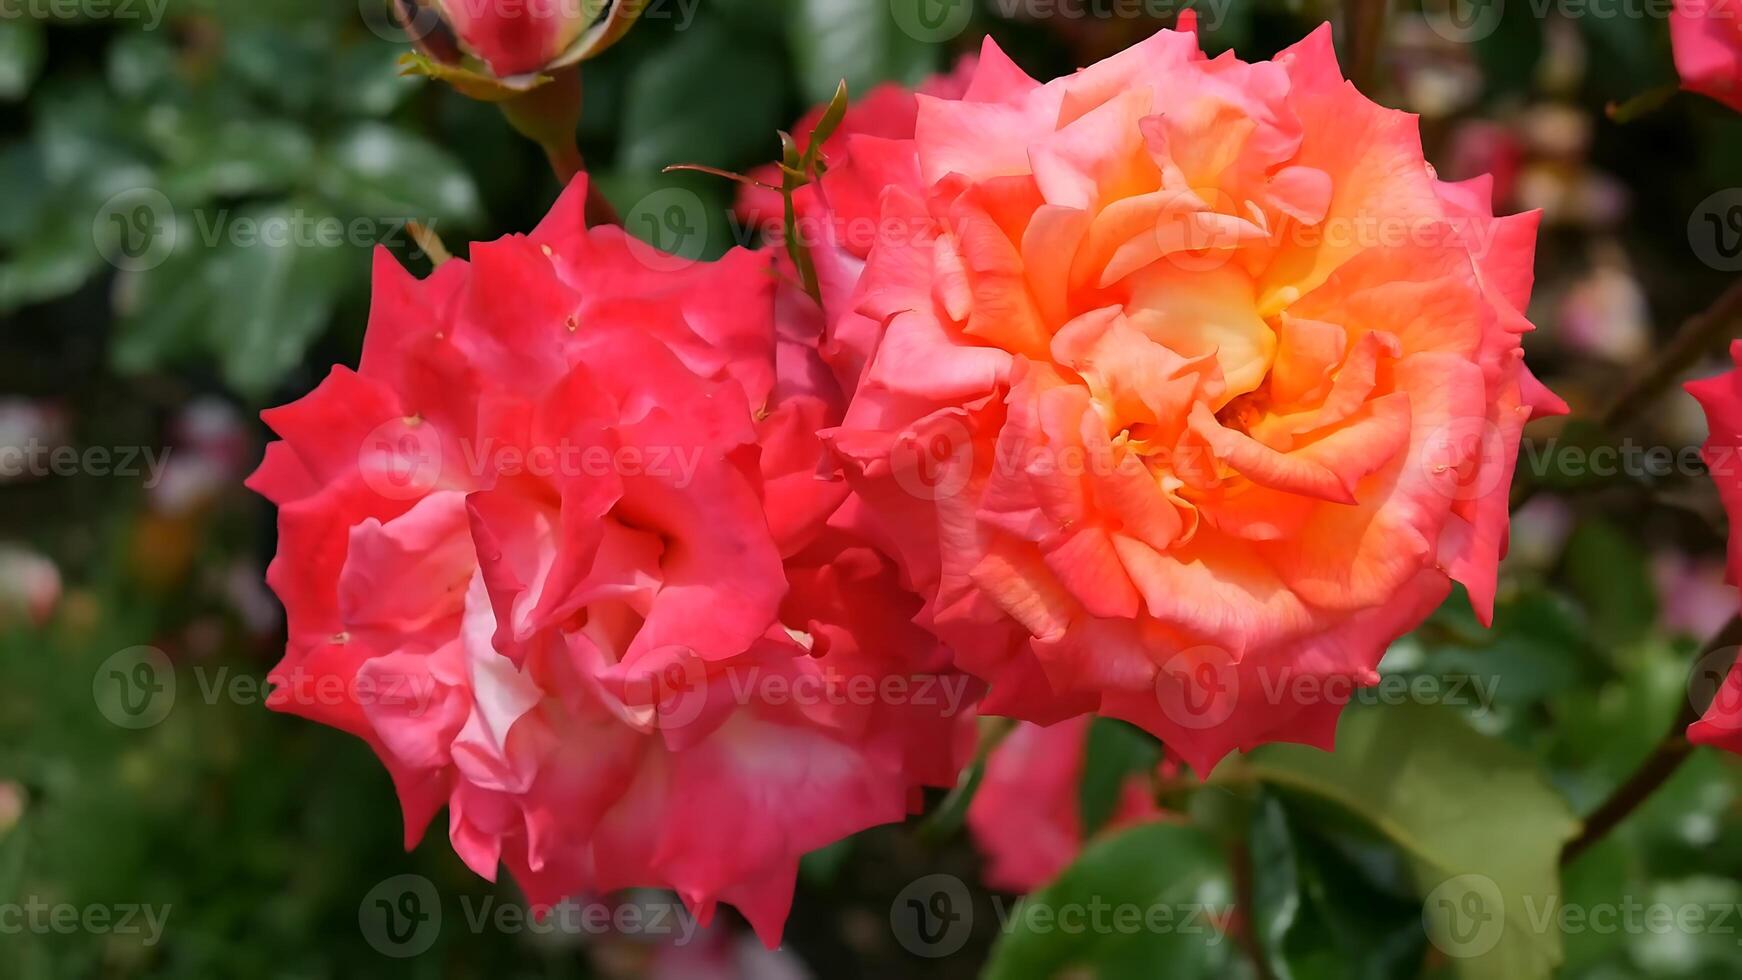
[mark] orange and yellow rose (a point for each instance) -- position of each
(1180, 386)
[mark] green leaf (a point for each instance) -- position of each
(52, 263)
(21, 52)
(1276, 898)
(1509, 55)
(52, 194)
(253, 288)
(833, 113)
(707, 97)
(24, 191)
(1601, 734)
(213, 157)
(1608, 571)
(278, 295)
(140, 64)
(161, 312)
(366, 80)
(1540, 646)
(1599, 876)
(1357, 922)
(1170, 886)
(858, 41)
(1112, 753)
(1478, 826)
(285, 65)
(821, 866)
(1639, 57)
(382, 173)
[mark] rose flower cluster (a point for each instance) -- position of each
(1145, 392)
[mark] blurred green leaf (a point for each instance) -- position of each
(856, 41)
(140, 64)
(1689, 823)
(24, 191)
(278, 294)
(285, 65)
(382, 173)
(1148, 867)
(21, 53)
(821, 866)
(707, 97)
(1509, 54)
(1430, 784)
(1276, 897)
(1599, 876)
(161, 313)
(52, 193)
(1112, 753)
(1640, 56)
(55, 261)
(1355, 922)
(254, 287)
(224, 157)
(365, 80)
(1608, 571)
(1601, 733)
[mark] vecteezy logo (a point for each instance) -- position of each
(401, 917)
(1464, 459)
(1465, 916)
(934, 463)
(401, 459)
(1206, 240)
(1198, 687)
(667, 689)
(1715, 230)
(398, 20)
(1463, 21)
(670, 229)
(933, 916)
(135, 230)
(933, 21)
(135, 688)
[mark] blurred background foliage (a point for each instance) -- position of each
(263, 833)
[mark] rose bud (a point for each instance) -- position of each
(495, 49)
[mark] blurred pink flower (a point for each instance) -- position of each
(1693, 597)
(719, 954)
(1604, 313)
(27, 427)
(1707, 36)
(1026, 818)
(30, 585)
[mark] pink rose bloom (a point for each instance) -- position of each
(1026, 815)
(1179, 386)
(1707, 38)
(1721, 397)
(557, 551)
